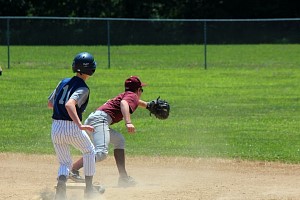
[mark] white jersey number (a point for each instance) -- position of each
(64, 96)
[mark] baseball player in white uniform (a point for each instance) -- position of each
(68, 101)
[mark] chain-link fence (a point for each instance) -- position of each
(51, 31)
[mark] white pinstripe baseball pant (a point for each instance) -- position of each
(65, 133)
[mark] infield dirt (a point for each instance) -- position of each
(31, 177)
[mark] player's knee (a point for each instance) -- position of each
(122, 140)
(100, 156)
(120, 144)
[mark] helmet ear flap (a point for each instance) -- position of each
(73, 66)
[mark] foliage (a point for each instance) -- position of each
(176, 9)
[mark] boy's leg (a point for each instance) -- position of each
(84, 144)
(74, 173)
(101, 137)
(61, 189)
(118, 141)
(64, 157)
(119, 155)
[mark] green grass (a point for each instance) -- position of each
(246, 105)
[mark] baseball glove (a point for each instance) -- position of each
(159, 107)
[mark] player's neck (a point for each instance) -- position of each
(82, 76)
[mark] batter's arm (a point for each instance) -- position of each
(71, 108)
(50, 105)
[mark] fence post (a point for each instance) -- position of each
(8, 43)
(108, 43)
(205, 43)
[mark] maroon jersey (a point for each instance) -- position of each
(113, 106)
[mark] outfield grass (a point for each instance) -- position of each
(246, 105)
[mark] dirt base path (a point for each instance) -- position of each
(33, 177)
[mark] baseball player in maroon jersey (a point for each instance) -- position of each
(111, 112)
(68, 101)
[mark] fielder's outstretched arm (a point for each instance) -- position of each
(126, 116)
(143, 104)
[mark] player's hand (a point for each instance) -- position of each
(87, 128)
(130, 128)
